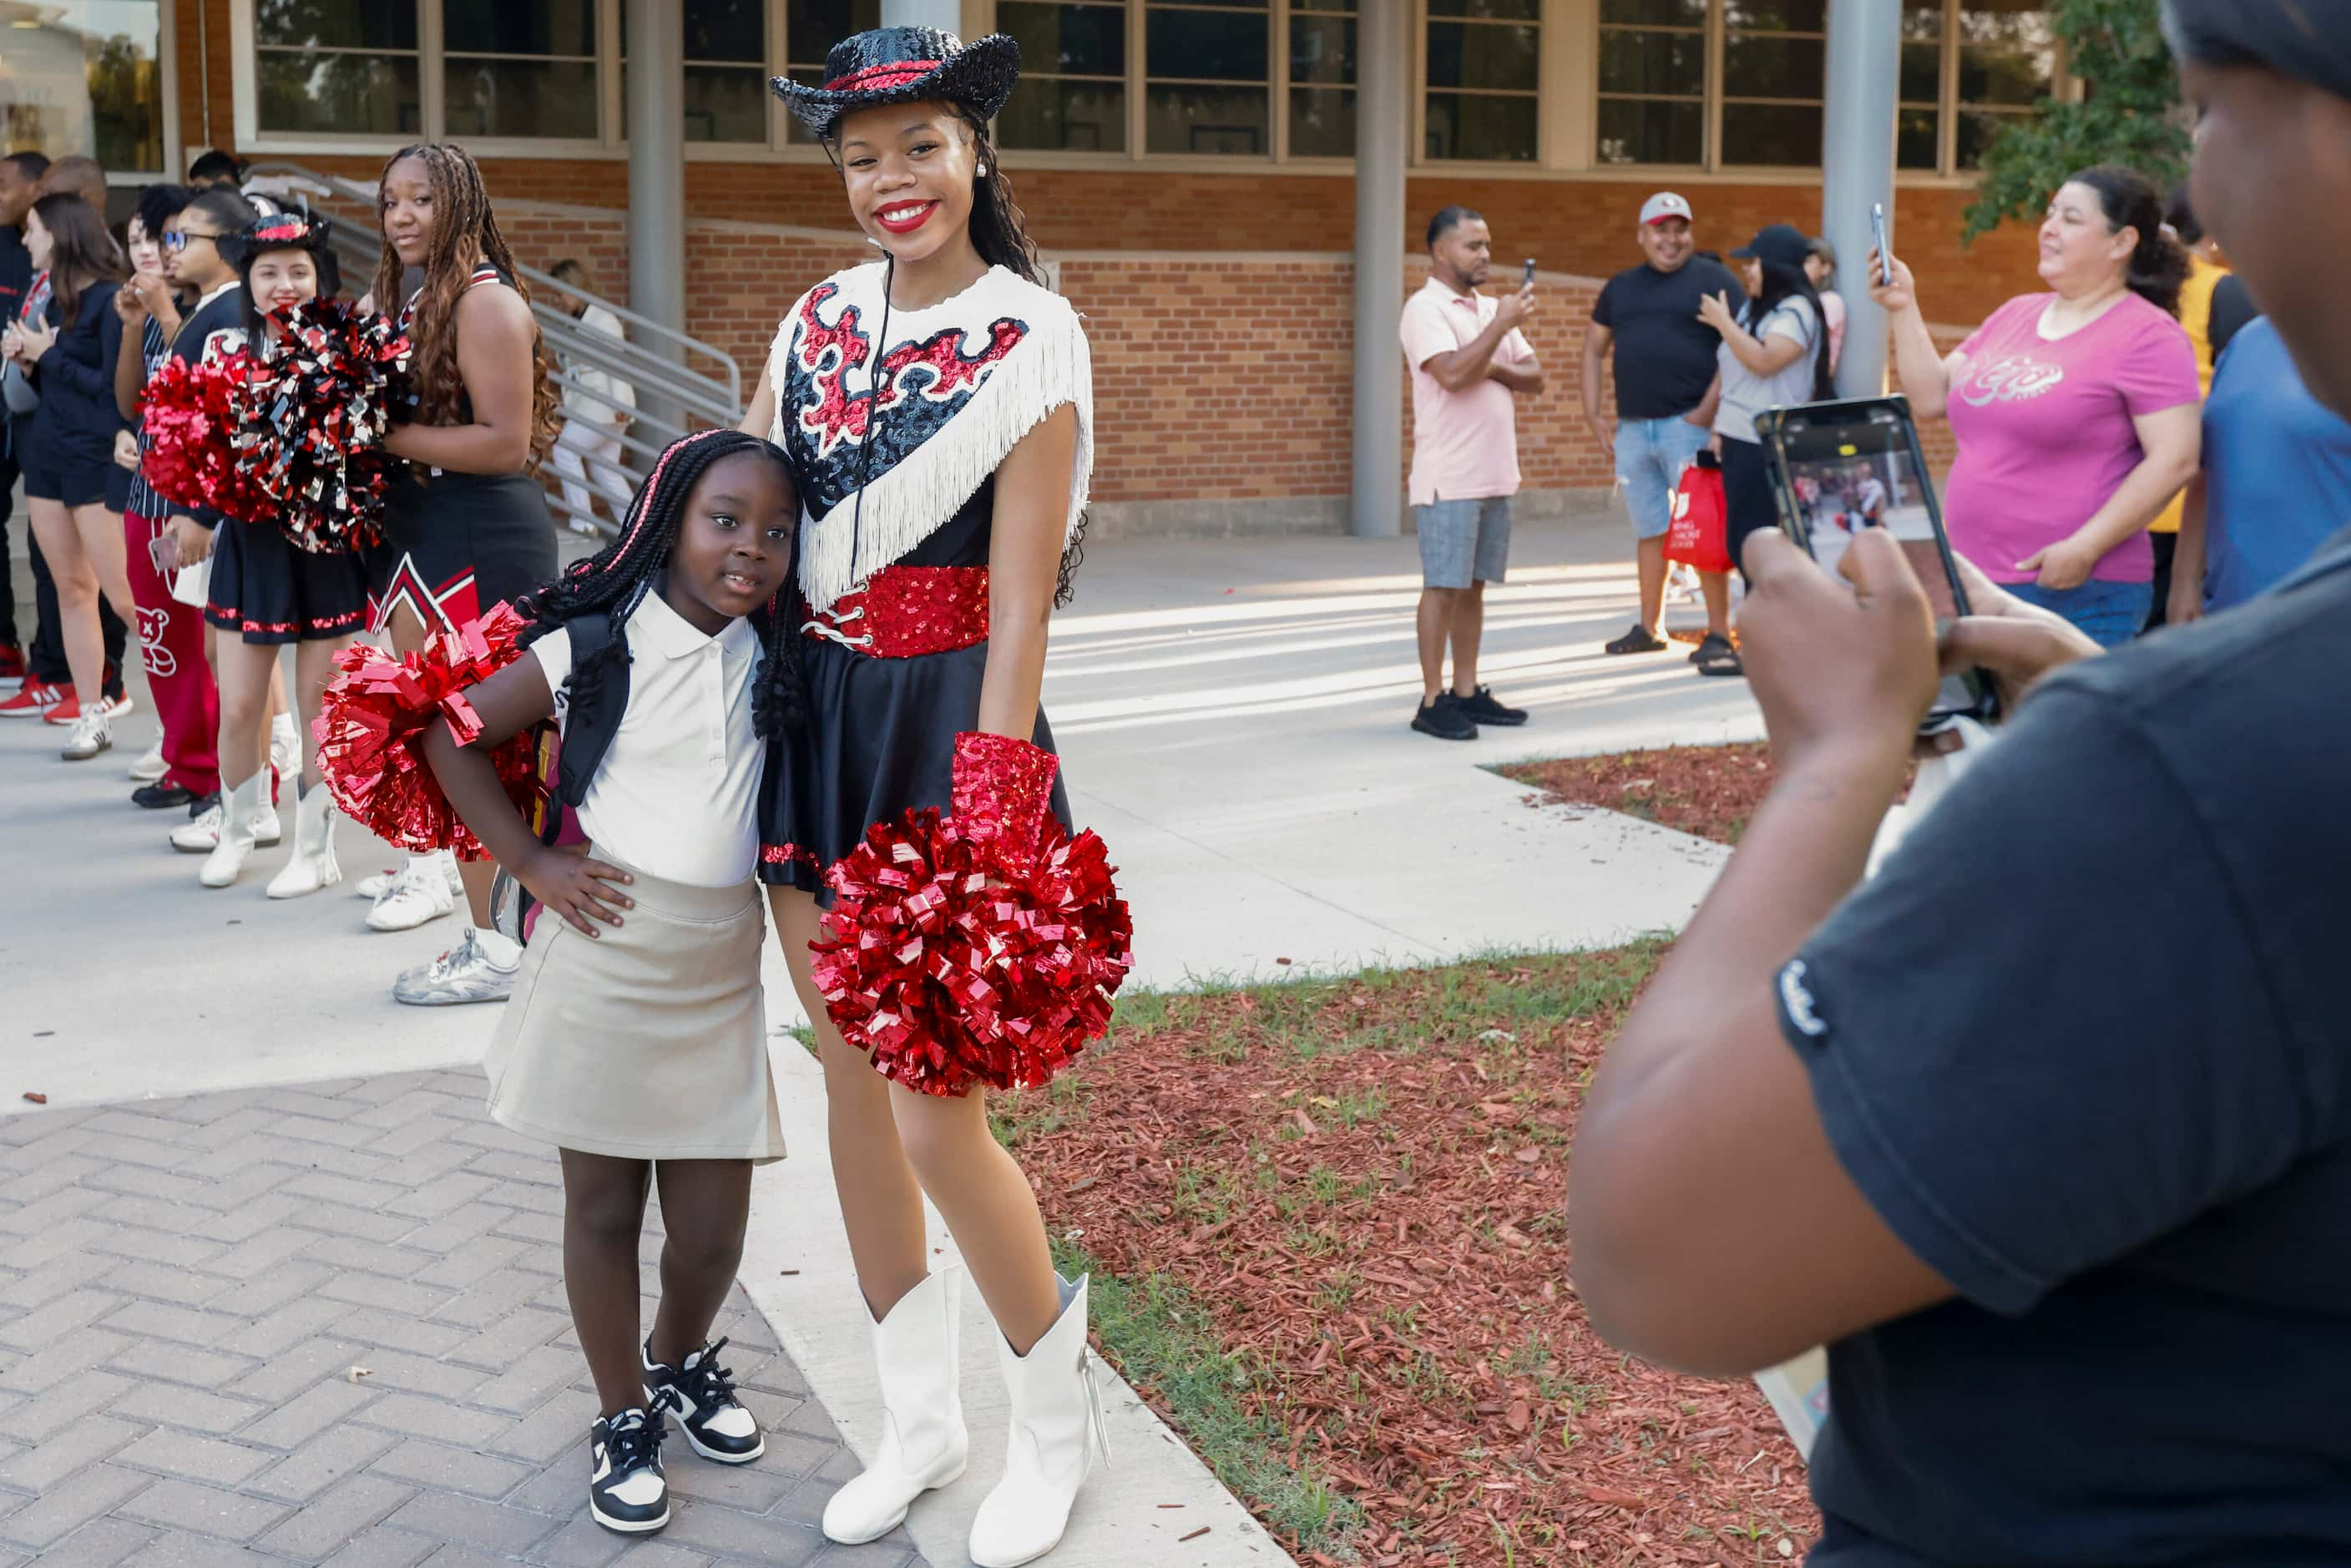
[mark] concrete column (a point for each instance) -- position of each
(1383, 121)
(1865, 70)
(945, 15)
(656, 125)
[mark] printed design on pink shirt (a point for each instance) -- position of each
(2012, 380)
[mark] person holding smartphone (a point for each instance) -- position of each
(2066, 1206)
(1469, 363)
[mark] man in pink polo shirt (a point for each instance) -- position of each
(1469, 363)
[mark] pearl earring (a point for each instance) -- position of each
(983, 170)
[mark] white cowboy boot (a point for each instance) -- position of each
(923, 1442)
(313, 865)
(1057, 1428)
(238, 817)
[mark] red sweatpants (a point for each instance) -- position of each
(171, 645)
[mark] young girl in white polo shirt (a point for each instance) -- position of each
(635, 1039)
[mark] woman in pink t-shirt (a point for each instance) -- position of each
(2076, 412)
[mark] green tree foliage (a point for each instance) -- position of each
(2129, 114)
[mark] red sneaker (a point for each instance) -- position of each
(67, 710)
(12, 662)
(34, 699)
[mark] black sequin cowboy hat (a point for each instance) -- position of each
(274, 231)
(905, 64)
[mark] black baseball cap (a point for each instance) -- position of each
(1783, 242)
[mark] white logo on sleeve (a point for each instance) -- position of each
(1797, 999)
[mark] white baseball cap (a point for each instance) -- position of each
(1663, 205)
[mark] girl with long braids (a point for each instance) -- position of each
(469, 529)
(636, 1040)
(938, 408)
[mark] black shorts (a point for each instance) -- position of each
(75, 478)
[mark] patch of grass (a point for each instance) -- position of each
(1157, 1334)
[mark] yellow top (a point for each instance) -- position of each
(2196, 315)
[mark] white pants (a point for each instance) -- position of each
(582, 444)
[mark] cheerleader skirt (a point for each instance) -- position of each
(267, 591)
(649, 1042)
(457, 546)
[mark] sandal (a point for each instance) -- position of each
(1639, 640)
(1716, 656)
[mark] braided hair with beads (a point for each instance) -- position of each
(617, 578)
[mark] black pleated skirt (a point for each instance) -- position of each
(267, 591)
(880, 740)
(457, 546)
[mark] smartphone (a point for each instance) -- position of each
(1527, 277)
(1884, 251)
(1839, 468)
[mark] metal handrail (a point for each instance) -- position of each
(632, 359)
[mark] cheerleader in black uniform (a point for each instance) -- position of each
(937, 406)
(264, 593)
(470, 529)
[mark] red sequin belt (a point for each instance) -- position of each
(905, 611)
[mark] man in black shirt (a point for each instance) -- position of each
(1666, 391)
(2046, 1130)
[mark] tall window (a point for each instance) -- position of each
(1485, 70)
(1774, 70)
(810, 29)
(84, 79)
(512, 70)
(1322, 78)
(726, 68)
(1209, 74)
(338, 66)
(1652, 81)
(1968, 68)
(1072, 91)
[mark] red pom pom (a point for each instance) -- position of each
(371, 734)
(313, 426)
(950, 964)
(192, 414)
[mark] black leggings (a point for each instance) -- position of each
(1748, 501)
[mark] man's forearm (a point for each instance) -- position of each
(1591, 387)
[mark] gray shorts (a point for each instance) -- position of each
(1461, 540)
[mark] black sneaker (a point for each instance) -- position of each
(626, 1490)
(1481, 708)
(702, 1394)
(1639, 640)
(199, 804)
(1444, 719)
(161, 797)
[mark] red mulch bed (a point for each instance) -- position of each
(1710, 790)
(1364, 1181)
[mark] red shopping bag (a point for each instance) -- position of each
(1699, 535)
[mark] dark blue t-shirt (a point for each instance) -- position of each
(2085, 1044)
(1665, 354)
(2277, 469)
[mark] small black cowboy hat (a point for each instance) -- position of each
(274, 231)
(905, 64)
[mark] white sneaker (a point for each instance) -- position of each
(115, 708)
(91, 734)
(151, 767)
(373, 887)
(416, 893)
(202, 832)
(464, 974)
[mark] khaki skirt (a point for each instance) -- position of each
(649, 1042)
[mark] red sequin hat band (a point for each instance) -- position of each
(894, 73)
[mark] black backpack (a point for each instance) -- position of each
(568, 760)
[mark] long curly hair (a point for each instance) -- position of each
(617, 577)
(464, 234)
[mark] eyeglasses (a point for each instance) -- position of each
(177, 240)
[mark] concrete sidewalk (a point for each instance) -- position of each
(1233, 716)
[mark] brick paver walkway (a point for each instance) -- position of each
(187, 1286)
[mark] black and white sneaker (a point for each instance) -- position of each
(702, 1393)
(626, 1490)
